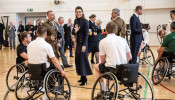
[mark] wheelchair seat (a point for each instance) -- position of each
(171, 57)
(37, 71)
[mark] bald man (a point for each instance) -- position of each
(30, 29)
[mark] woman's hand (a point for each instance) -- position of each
(83, 49)
(76, 28)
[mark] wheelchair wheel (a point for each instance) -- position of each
(142, 58)
(110, 87)
(143, 89)
(149, 56)
(56, 86)
(159, 71)
(13, 75)
(25, 89)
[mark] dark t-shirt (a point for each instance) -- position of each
(21, 49)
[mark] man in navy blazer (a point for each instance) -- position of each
(136, 33)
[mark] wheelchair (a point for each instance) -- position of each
(14, 73)
(146, 55)
(126, 83)
(37, 81)
(164, 67)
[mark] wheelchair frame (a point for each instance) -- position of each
(145, 58)
(132, 92)
(16, 67)
(37, 87)
(166, 72)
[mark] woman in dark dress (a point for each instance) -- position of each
(81, 30)
(93, 39)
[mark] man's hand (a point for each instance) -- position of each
(58, 45)
(63, 74)
(52, 37)
(143, 30)
(95, 33)
(29, 32)
(59, 40)
(83, 49)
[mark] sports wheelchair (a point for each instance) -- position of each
(146, 55)
(133, 84)
(37, 81)
(164, 67)
(14, 73)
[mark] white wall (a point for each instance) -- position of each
(156, 11)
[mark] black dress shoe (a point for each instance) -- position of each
(83, 81)
(71, 56)
(66, 66)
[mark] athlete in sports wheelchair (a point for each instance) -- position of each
(38, 80)
(114, 55)
(124, 82)
(164, 66)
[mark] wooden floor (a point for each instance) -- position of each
(8, 58)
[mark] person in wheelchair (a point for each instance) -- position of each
(167, 48)
(22, 48)
(39, 50)
(114, 50)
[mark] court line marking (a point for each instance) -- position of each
(145, 93)
(167, 88)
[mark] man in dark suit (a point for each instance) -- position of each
(136, 33)
(20, 30)
(68, 36)
(30, 29)
(2, 27)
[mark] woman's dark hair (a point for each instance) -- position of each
(79, 7)
(92, 16)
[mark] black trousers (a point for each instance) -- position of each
(134, 51)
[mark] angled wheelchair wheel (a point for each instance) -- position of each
(159, 71)
(105, 87)
(25, 89)
(149, 56)
(142, 90)
(56, 86)
(13, 75)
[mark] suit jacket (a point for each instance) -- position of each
(2, 27)
(67, 34)
(94, 28)
(21, 28)
(136, 29)
(61, 30)
(29, 28)
(11, 31)
(121, 27)
(83, 33)
(51, 31)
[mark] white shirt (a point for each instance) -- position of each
(168, 31)
(136, 14)
(38, 50)
(146, 37)
(115, 49)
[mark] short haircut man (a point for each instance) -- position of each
(121, 25)
(138, 8)
(168, 45)
(39, 51)
(114, 50)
